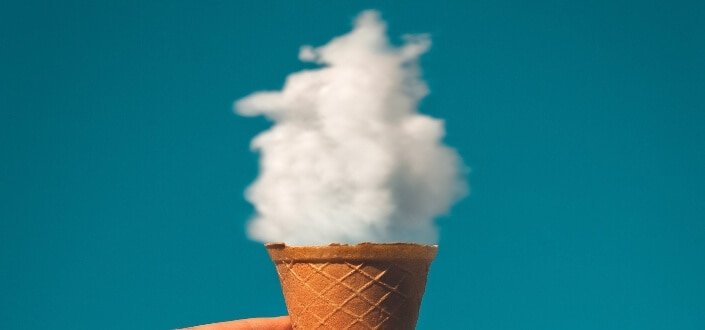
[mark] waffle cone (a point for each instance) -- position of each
(364, 286)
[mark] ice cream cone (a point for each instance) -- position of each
(363, 286)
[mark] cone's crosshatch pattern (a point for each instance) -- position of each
(349, 290)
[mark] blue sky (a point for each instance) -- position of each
(122, 166)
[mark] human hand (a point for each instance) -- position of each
(267, 323)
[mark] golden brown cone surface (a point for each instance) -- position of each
(363, 286)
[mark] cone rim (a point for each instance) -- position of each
(280, 252)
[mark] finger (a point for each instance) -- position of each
(267, 323)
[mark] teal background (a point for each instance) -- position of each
(122, 166)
